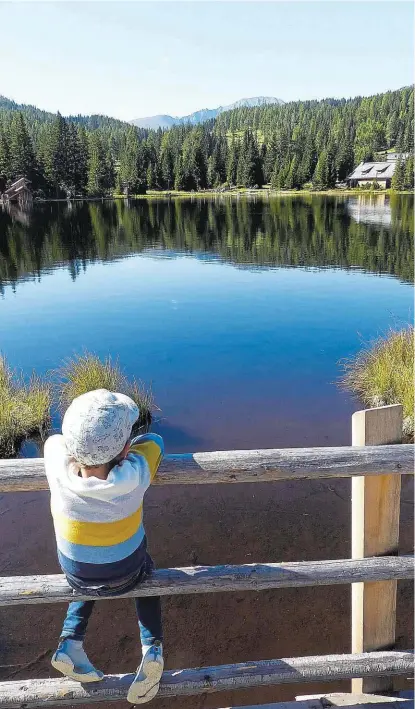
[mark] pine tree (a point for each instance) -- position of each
(241, 169)
(279, 176)
(180, 177)
(58, 165)
(409, 173)
(128, 170)
(81, 160)
(167, 168)
(291, 180)
(213, 177)
(249, 172)
(232, 163)
(97, 173)
(321, 175)
(108, 172)
(344, 160)
(270, 158)
(5, 158)
(398, 179)
(331, 166)
(22, 158)
(275, 177)
(151, 177)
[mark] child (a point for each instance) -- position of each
(97, 481)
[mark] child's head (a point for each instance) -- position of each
(97, 426)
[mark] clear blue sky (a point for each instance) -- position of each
(137, 59)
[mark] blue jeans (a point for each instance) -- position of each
(148, 607)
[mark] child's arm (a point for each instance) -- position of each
(151, 447)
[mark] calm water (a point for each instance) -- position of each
(237, 312)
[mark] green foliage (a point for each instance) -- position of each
(87, 372)
(24, 408)
(22, 158)
(398, 179)
(384, 373)
(101, 176)
(5, 158)
(287, 146)
(409, 173)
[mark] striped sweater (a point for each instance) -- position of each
(99, 523)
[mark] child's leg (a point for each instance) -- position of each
(76, 621)
(149, 620)
(70, 658)
(147, 680)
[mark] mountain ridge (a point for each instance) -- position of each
(163, 120)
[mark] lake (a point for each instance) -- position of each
(237, 312)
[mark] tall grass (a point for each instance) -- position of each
(83, 373)
(24, 408)
(384, 374)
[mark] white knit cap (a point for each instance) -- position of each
(97, 426)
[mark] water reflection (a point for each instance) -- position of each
(370, 233)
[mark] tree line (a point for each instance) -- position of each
(311, 143)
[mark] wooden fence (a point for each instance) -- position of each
(375, 462)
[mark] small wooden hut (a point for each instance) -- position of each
(20, 191)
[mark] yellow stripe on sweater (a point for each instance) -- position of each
(151, 452)
(97, 534)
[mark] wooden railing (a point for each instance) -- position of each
(373, 571)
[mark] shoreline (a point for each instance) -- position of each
(243, 192)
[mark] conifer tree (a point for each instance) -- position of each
(398, 179)
(151, 177)
(128, 170)
(409, 173)
(97, 177)
(232, 163)
(180, 177)
(22, 158)
(5, 158)
(321, 174)
(108, 172)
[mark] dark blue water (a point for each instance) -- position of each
(237, 313)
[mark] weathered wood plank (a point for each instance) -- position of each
(35, 693)
(375, 531)
(346, 699)
(324, 701)
(243, 466)
(24, 590)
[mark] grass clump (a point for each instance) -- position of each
(24, 408)
(383, 374)
(83, 373)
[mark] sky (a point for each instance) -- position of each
(135, 59)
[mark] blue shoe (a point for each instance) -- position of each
(71, 660)
(147, 680)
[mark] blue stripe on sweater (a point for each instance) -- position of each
(97, 573)
(101, 555)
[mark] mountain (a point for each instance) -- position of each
(205, 114)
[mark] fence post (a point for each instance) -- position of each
(375, 532)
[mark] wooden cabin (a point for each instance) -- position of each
(376, 172)
(20, 191)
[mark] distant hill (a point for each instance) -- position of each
(32, 113)
(205, 114)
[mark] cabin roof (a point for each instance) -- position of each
(373, 170)
(17, 186)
